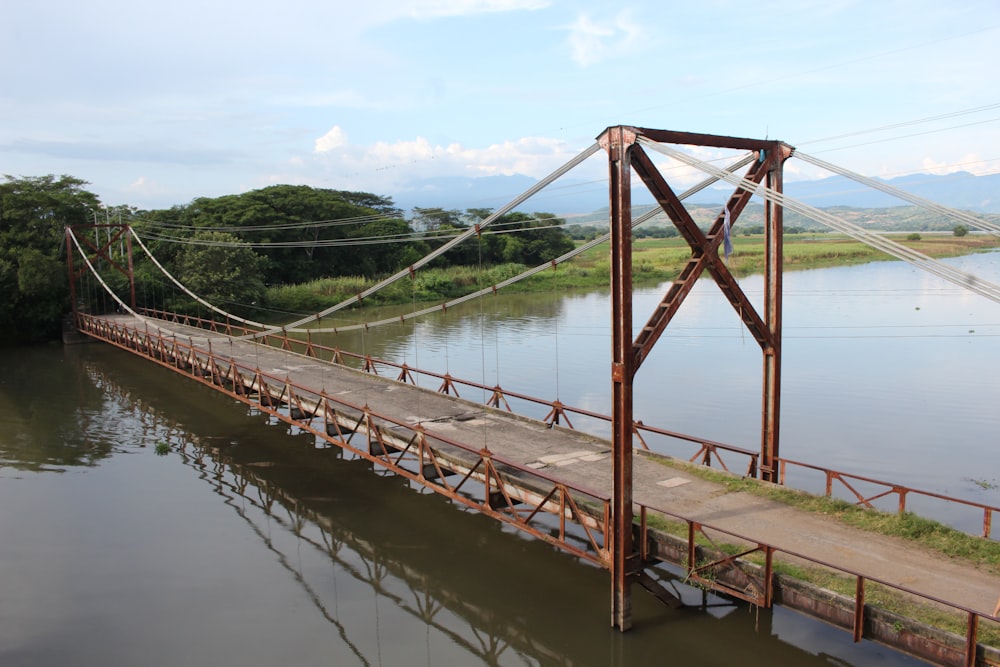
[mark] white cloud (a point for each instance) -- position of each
(797, 170)
(139, 185)
(332, 140)
(593, 42)
(971, 162)
(142, 189)
(681, 175)
(530, 156)
(440, 8)
(393, 166)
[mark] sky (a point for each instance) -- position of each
(157, 103)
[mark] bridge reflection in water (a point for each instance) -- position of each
(369, 550)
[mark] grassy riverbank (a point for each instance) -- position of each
(950, 543)
(654, 261)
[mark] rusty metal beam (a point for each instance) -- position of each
(131, 270)
(697, 139)
(766, 327)
(773, 267)
(619, 142)
(718, 269)
(859, 609)
(69, 268)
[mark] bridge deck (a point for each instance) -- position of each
(585, 461)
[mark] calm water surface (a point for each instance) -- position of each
(248, 544)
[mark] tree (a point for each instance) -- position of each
(388, 247)
(960, 230)
(223, 271)
(34, 212)
(303, 232)
(441, 226)
(532, 239)
(432, 219)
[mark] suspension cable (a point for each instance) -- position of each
(249, 323)
(443, 306)
(90, 266)
(742, 162)
(962, 216)
(125, 308)
(406, 237)
(426, 259)
(966, 280)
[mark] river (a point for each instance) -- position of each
(149, 520)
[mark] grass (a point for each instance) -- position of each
(985, 484)
(426, 285)
(808, 251)
(876, 595)
(929, 534)
(890, 600)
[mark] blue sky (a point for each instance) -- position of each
(157, 103)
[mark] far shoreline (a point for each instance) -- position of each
(654, 261)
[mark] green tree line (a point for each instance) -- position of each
(229, 249)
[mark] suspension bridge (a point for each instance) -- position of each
(604, 500)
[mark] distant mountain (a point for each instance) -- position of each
(959, 190)
(455, 192)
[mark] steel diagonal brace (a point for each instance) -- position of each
(102, 251)
(704, 256)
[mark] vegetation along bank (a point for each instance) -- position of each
(288, 249)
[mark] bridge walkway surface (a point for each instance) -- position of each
(585, 461)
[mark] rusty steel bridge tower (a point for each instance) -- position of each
(101, 250)
(625, 155)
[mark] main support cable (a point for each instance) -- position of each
(122, 306)
(530, 192)
(76, 242)
(492, 289)
(510, 227)
(966, 280)
(962, 216)
(292, 327)
(593, 243)
(175, 281)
